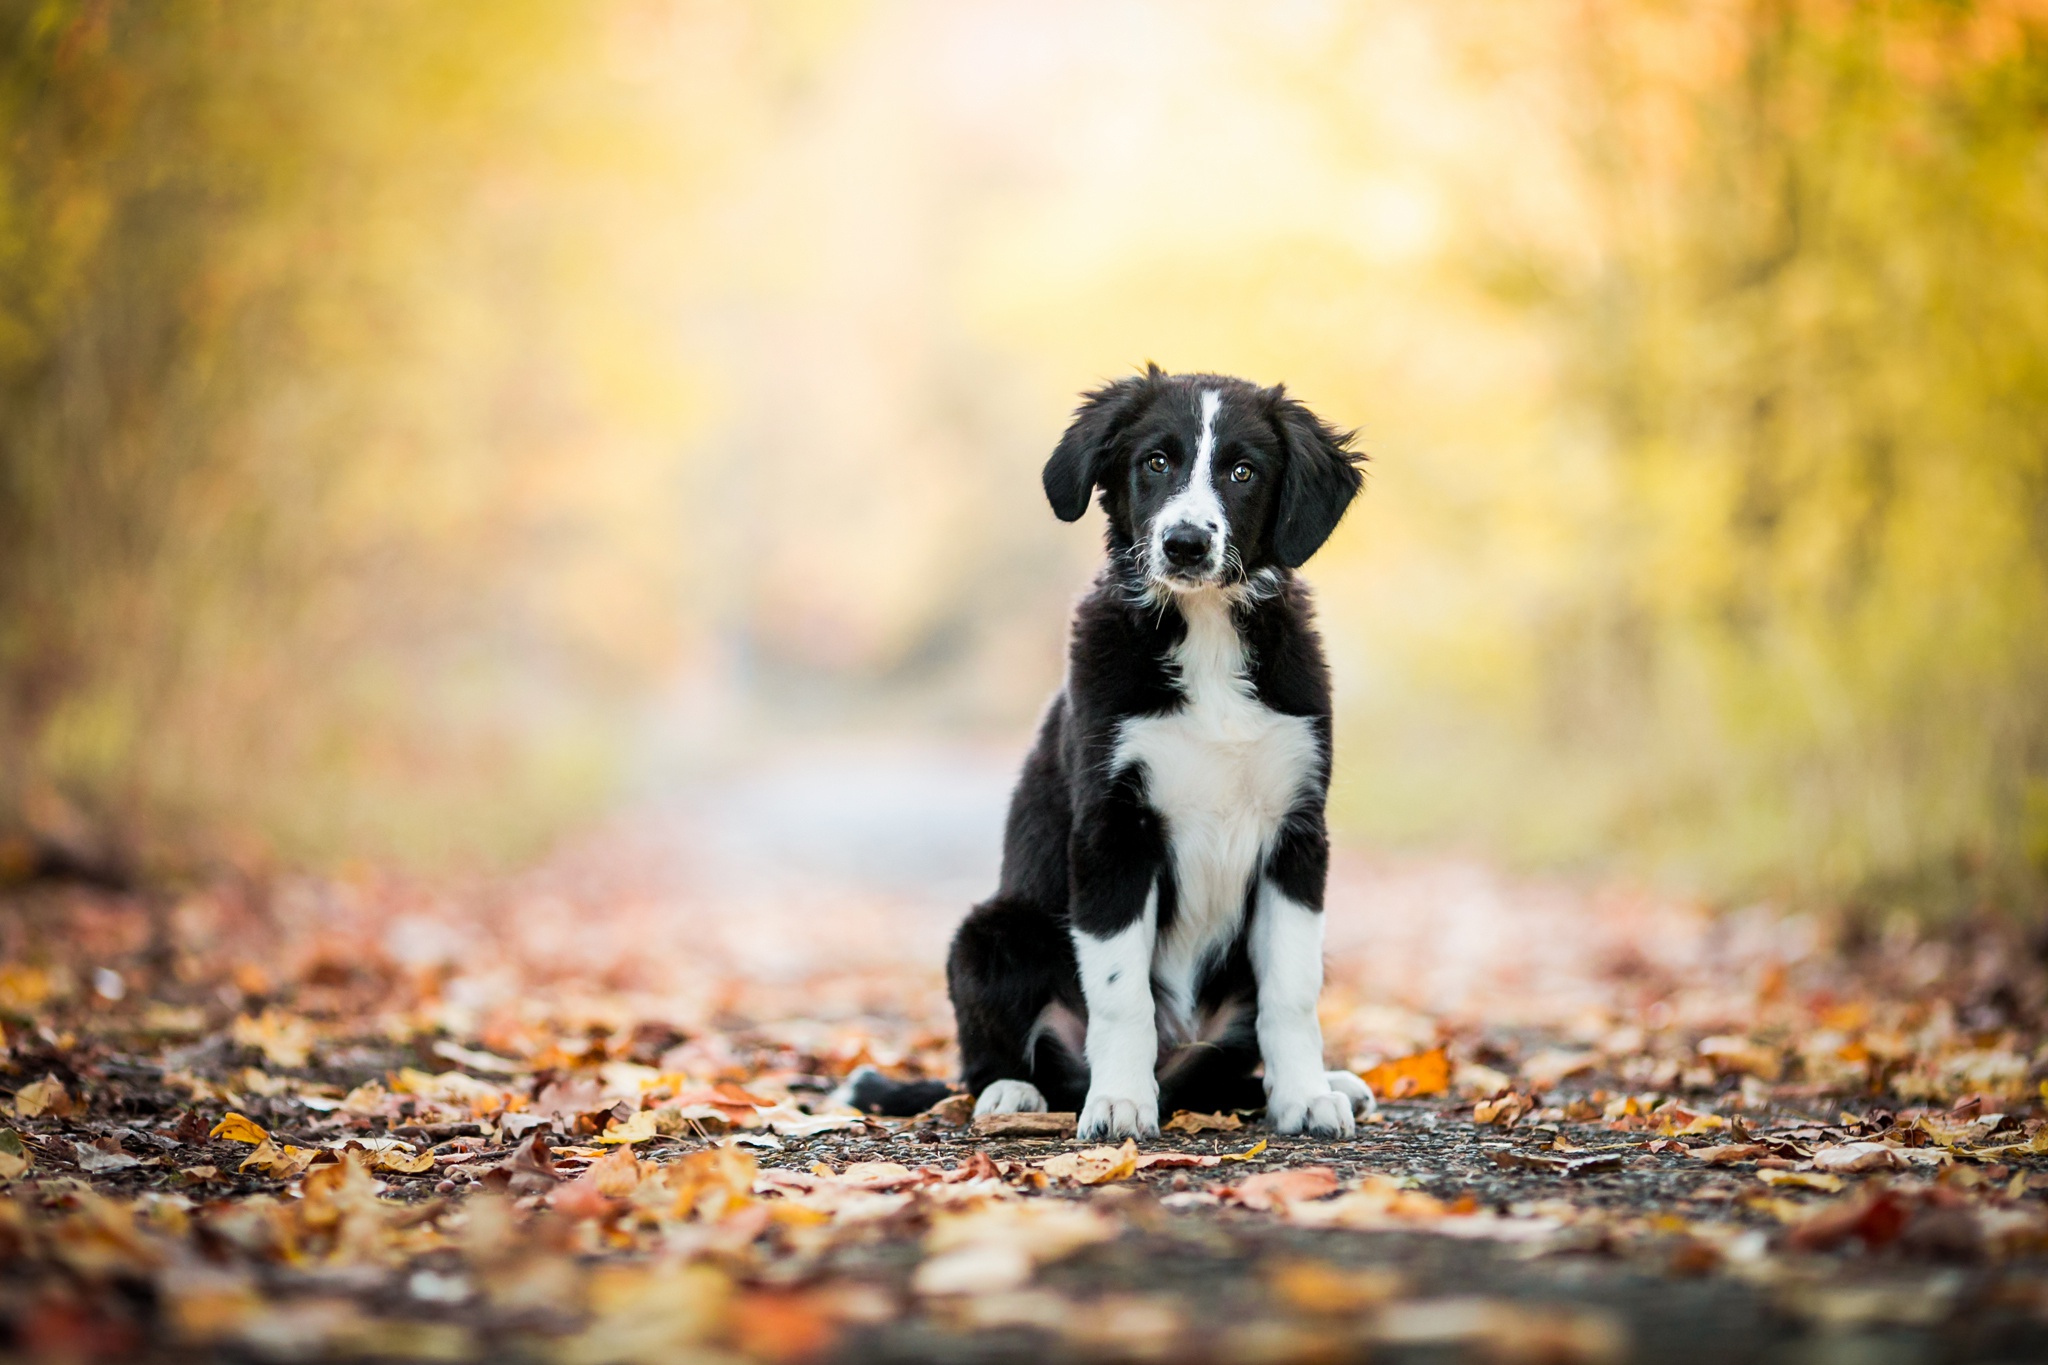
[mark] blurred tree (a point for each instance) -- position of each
(339, 432)
(1813, 331)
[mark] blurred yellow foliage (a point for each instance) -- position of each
(410, 411)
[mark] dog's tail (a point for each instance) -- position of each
(871, 1092)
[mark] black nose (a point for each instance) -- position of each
(1186, 545)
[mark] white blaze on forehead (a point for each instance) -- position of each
(1205, 445)
(1197, 503)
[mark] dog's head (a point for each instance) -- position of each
(1206, 480)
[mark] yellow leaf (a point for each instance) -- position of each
(283, 1039)
(1248, 1153)
(1803, 1180)
(236, 1128)
(14, 1157)
(282, 1162)
(1095, 1166)
(638, 1128)
(404, 1163)
(1425, 1073)
(1184, 1121)
(45, 1096)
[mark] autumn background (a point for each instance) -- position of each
(428, 429)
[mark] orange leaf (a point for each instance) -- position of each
(1425, 1073)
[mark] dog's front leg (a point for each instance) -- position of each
(1115, 921)
(1287, 959)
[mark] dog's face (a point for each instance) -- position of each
(1206, 480)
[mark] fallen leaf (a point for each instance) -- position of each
(401, 1162)
(1413, 1077)
(1185, 1121)
(1729, 1152)
(1477, 1081)
(487, 1062)
(1319, 1287)
(14, 1155)
(1502, 1111)
(1732, 1054)
(1174, 1160)
(1854, 1158)
(46, 1096)
(955, 1111)
(1803, 1180)
(236, 1128)
(1095, 1166)
(997, 1247)
(1250, 1153)
(283, 1163)
(102, 1156)
(284, 1040)
(639, 1128)
(1277, 1189)
(532, 1168)
(1546, 1069)
(1876, 1218)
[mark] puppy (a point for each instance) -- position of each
(1157, 934)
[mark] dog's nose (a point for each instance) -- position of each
(1186, 545)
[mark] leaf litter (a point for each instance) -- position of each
(289, 1139)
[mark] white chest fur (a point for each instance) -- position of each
(1223, 771)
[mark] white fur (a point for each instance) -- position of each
(1223, 771)
(1287, 957)
(1123, 1038)
(1196, 503)
(1009, 1097)
(1353, 1087)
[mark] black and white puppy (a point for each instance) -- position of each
(1157, 934)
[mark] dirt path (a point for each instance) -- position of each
(582, 1116)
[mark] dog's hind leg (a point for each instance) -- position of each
(1014, 985)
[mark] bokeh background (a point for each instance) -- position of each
(428, 428)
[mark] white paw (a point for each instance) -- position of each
(1009, 1097)
(1114, 1116)
(1325, 1113)
(1354, 1089)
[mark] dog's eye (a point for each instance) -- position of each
(1156, 462)
(1241, 473)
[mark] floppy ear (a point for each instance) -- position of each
(1319, 481)
(1081, 458)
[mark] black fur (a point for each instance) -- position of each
(1083, 847)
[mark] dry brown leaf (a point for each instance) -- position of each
(997, 1246)
(1732, 1054)
(284, 1040)
(1502, 1111)
(46, 1096)
(283, 1163)
(1278, 1189)
(955, 1111)
(1854, 1158)
(400, 1162)
(1174, 1160)
(1546, 1069)
(1730, 1152)
(1802, 1180)
(879, 1175)
(1414, 1077)
(1319, 1287)
(1186, 1121)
